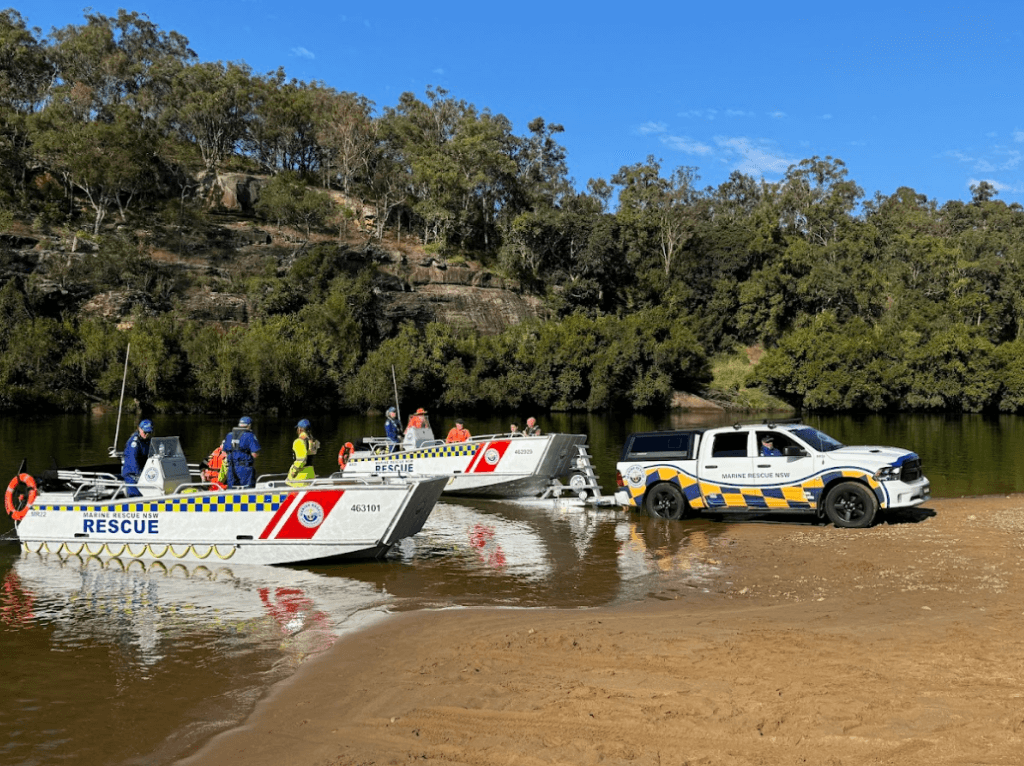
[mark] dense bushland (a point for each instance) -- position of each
(112, 132)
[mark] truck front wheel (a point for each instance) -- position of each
(665, 501)
(851, 505)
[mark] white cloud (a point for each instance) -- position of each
(700, 114)
(687, 145)
(737, 113)
(303, 53)
(777, 115)
(652, 127)
(998, 185)
(1018, 135)
(826, 116)
(752, 158)
(438, 71)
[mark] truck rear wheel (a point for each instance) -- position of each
(665, 501)
(851, 505)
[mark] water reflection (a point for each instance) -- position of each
(131, 663)
(136, 662)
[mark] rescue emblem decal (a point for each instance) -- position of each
(310, 514)
(636, 476)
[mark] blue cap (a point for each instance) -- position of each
(146, 426)
(303, 424)
(245, 422)
(391, 409)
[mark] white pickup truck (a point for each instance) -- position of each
(673, 473)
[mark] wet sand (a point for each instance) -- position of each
(901, 644)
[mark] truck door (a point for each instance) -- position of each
(778, 481)
(725, 468)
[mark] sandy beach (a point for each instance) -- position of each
(900, 644)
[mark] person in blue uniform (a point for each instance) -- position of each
(393, 429)
(768, 446)
(241, 448)
(136, 453)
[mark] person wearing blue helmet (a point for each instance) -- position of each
(136, 453)
(303, 449)
(241, 448)
(393, 428)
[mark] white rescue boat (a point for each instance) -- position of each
(494, 465)
(87, 512)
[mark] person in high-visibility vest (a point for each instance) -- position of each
(303, 449)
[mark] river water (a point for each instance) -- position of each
(104, 663)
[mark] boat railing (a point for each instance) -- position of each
(281, 481)
(88, 485)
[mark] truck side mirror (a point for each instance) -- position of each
(793, 452)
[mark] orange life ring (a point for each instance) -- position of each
(21, 493)
(344, 454)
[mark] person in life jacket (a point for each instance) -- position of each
(418, 419)
(459, 433)
(532, 429)
(303, 449)
(213, 469)
(136, 453)
(392, 428)
(241, 448)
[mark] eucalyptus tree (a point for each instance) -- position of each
(532, 224)
(345, 137)
(211, 105)
(660, 212)
(97, 130)
(111, 161)
(458, 163)
(25, 73)
(117, 60)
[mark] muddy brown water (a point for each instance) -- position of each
(105, 662)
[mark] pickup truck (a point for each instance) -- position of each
(671, 474)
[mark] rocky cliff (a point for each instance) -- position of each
(411, 285)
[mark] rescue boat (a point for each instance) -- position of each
(87, 511)
(495, 465)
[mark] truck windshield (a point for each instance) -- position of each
(821, 442)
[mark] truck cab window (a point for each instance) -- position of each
(732, 444)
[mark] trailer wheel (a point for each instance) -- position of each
(665, 501)
(851, 505)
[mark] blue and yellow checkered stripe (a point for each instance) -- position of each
(439, 450)
(700, 494)
(185, 503)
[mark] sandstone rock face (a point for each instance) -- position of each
(116, 305)
(459, 296)
(237, 192)
(217, 307)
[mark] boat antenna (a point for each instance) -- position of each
(394, 381)
(124, 379)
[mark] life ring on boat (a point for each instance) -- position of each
(344, 454)
(21, 493)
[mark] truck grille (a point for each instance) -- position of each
(911, 470)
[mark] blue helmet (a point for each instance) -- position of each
(303, 424)
(146, 426)
(245, 422)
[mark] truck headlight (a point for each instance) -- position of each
(888, 473)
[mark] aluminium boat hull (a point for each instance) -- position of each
(499, 466)
(274, 523)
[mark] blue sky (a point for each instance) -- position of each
(905, 93)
